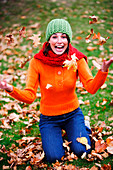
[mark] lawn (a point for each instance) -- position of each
(19, 120)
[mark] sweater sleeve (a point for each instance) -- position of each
(28, 95)
(90, 83)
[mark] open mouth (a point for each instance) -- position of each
(59, 47)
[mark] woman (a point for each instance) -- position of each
(59, 104)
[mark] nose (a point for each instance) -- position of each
(59, 39)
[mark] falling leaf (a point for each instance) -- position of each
(71, 63)
(104, 102)
(25, 61)
(84, 141)
(97, 104)
(111, 103)
(101, 40)
(104, 86)
(87, 38)
(9, 38)
(97, 65)
(22, 32)
(48, 86)
(94, 19)
(36, 39)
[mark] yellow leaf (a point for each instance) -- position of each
(84, 141)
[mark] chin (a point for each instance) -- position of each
(59, 53)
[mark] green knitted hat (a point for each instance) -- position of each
(58, 25)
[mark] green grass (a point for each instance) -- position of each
(77, 13)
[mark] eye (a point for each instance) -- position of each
(64, 36)
(54, 36)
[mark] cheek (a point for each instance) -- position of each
(52, 46)
(66, 42)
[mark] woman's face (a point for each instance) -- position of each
(58, 43)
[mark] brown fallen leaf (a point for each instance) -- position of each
(94, 168)
(93, 153)
(110, 118)
(100, 146)
(5, 167)
(89, 48)
(106, 167)
(111, 103)
(28, 168)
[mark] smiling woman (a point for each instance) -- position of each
(55, 69)
(58, 43)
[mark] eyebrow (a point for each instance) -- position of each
(56, 33)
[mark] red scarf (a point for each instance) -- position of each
(53, 59)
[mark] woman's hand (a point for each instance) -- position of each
(6, 86)
(106, 64)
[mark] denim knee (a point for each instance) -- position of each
(79, 149)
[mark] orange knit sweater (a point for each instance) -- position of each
(57, 85)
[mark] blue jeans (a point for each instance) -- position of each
(51, 134)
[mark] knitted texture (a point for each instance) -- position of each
(58, 25)
(57, 86)
(57, 60)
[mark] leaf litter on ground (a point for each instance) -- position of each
(30, 148)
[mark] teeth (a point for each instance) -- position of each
(59, 46)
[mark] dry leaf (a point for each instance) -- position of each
(24, 63)
(97, 65)
(104, 86)
(89, 48)
(93, 153)
(22, 32)
(84, 141)
(94, 19)
(9, 38)
(87, 38)
(36, 40)
(111, 103)
(106, 167)
(110, 118)
(94, 168)
(28, 168)
(71, 63)
(100, 146)
(48, 86)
